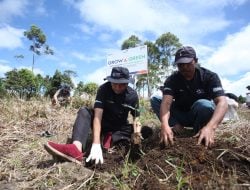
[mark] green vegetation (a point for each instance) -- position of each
(38, 39)
(159, 59)
(25, 84)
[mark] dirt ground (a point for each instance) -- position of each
(24, 129)
(224, 166)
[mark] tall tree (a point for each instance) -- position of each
(19, 57)
(70, 73)
(40, 84)
(160, 55)
(21, 83)
(38, 46)
(79, 89)
(2, 88)
(57, 81)
(12, 81)
(132, 41)
(90, 88)
(167, 44)
(153, 66)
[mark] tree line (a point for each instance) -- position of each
(25, 84)
(160, 56)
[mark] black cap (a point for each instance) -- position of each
(185, 54)
(119, 75)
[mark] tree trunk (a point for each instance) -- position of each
(33, 62)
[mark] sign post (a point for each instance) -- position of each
(135, 59)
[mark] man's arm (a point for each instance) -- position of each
(136, 136)
(219, 112)
(166, 132)
(207, 132)
(97, 125)
(137, 125)
(55, 96)
(96, 149)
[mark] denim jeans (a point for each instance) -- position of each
(198, 116)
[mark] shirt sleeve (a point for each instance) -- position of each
(168, 88)
(215, 86)
(133, 100)
(136, 112)
(100, 96)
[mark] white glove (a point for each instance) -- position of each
(95, 154)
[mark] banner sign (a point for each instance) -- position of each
(135, 59)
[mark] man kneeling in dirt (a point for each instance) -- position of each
(109, 119)
(187, 95)
(62, 96)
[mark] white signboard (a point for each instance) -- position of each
(135, 59)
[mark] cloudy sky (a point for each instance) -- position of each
(83, 32)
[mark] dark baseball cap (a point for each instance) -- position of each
(119, 75)
(185, 54)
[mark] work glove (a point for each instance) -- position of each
(95, 154)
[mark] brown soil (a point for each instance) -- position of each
(26, 165)
(185, 163)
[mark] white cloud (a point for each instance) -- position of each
(87, 58)
(105, 37)
(158, 17)
(2, 61)
(19, 8)
(38, 71)
(4, 68)
(10, 8)
(97, 76)
(39, 7)
(237, 87)
(67, 65)
(232, 58)
(10, 37)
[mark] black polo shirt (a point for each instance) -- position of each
(205, 85)
(116, 106)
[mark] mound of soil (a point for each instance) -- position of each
(185, 165)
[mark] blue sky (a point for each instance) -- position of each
(83, 32)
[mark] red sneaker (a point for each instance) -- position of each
(68, 152)
(107, 140)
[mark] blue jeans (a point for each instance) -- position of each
(198, 116)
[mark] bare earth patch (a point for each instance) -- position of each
(26, 165)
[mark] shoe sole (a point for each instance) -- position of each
(56, 153)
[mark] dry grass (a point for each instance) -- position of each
(23, 159)
(26, 165)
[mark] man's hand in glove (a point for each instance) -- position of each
(95, 154)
